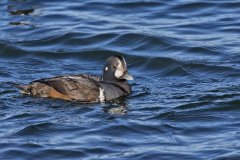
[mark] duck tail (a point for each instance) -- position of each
(19, 86)
(23, 88)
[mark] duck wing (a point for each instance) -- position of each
(84, 88)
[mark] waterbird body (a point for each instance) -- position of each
(85, 88)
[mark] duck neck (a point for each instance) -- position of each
(122, 83)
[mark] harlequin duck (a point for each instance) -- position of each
(85, 88)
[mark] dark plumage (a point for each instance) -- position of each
(85, 88)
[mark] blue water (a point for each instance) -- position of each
(184, 55)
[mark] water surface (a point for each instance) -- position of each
(184, 55)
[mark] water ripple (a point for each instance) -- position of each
(184, 56)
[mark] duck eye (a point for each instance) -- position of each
(115, 67)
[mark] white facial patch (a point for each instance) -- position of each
(106, 68)
(119, 72)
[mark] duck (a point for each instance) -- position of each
(111, 85)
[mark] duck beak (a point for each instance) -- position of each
(127, 76)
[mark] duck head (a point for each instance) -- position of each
(115, 70)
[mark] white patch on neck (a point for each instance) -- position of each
(101, 95)
(106, 68)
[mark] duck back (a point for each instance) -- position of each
(84, 88)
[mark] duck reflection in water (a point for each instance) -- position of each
(119, 108)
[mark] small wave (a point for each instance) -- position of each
(190, 115)
(4, 74)
(207, 51)
(140, 90)
(36, 129)
(9, 50)
(192, 106)
(12, 153)
(193, 5)
(227, 105)
(25, 116)
(121, 5)
(63, 153)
